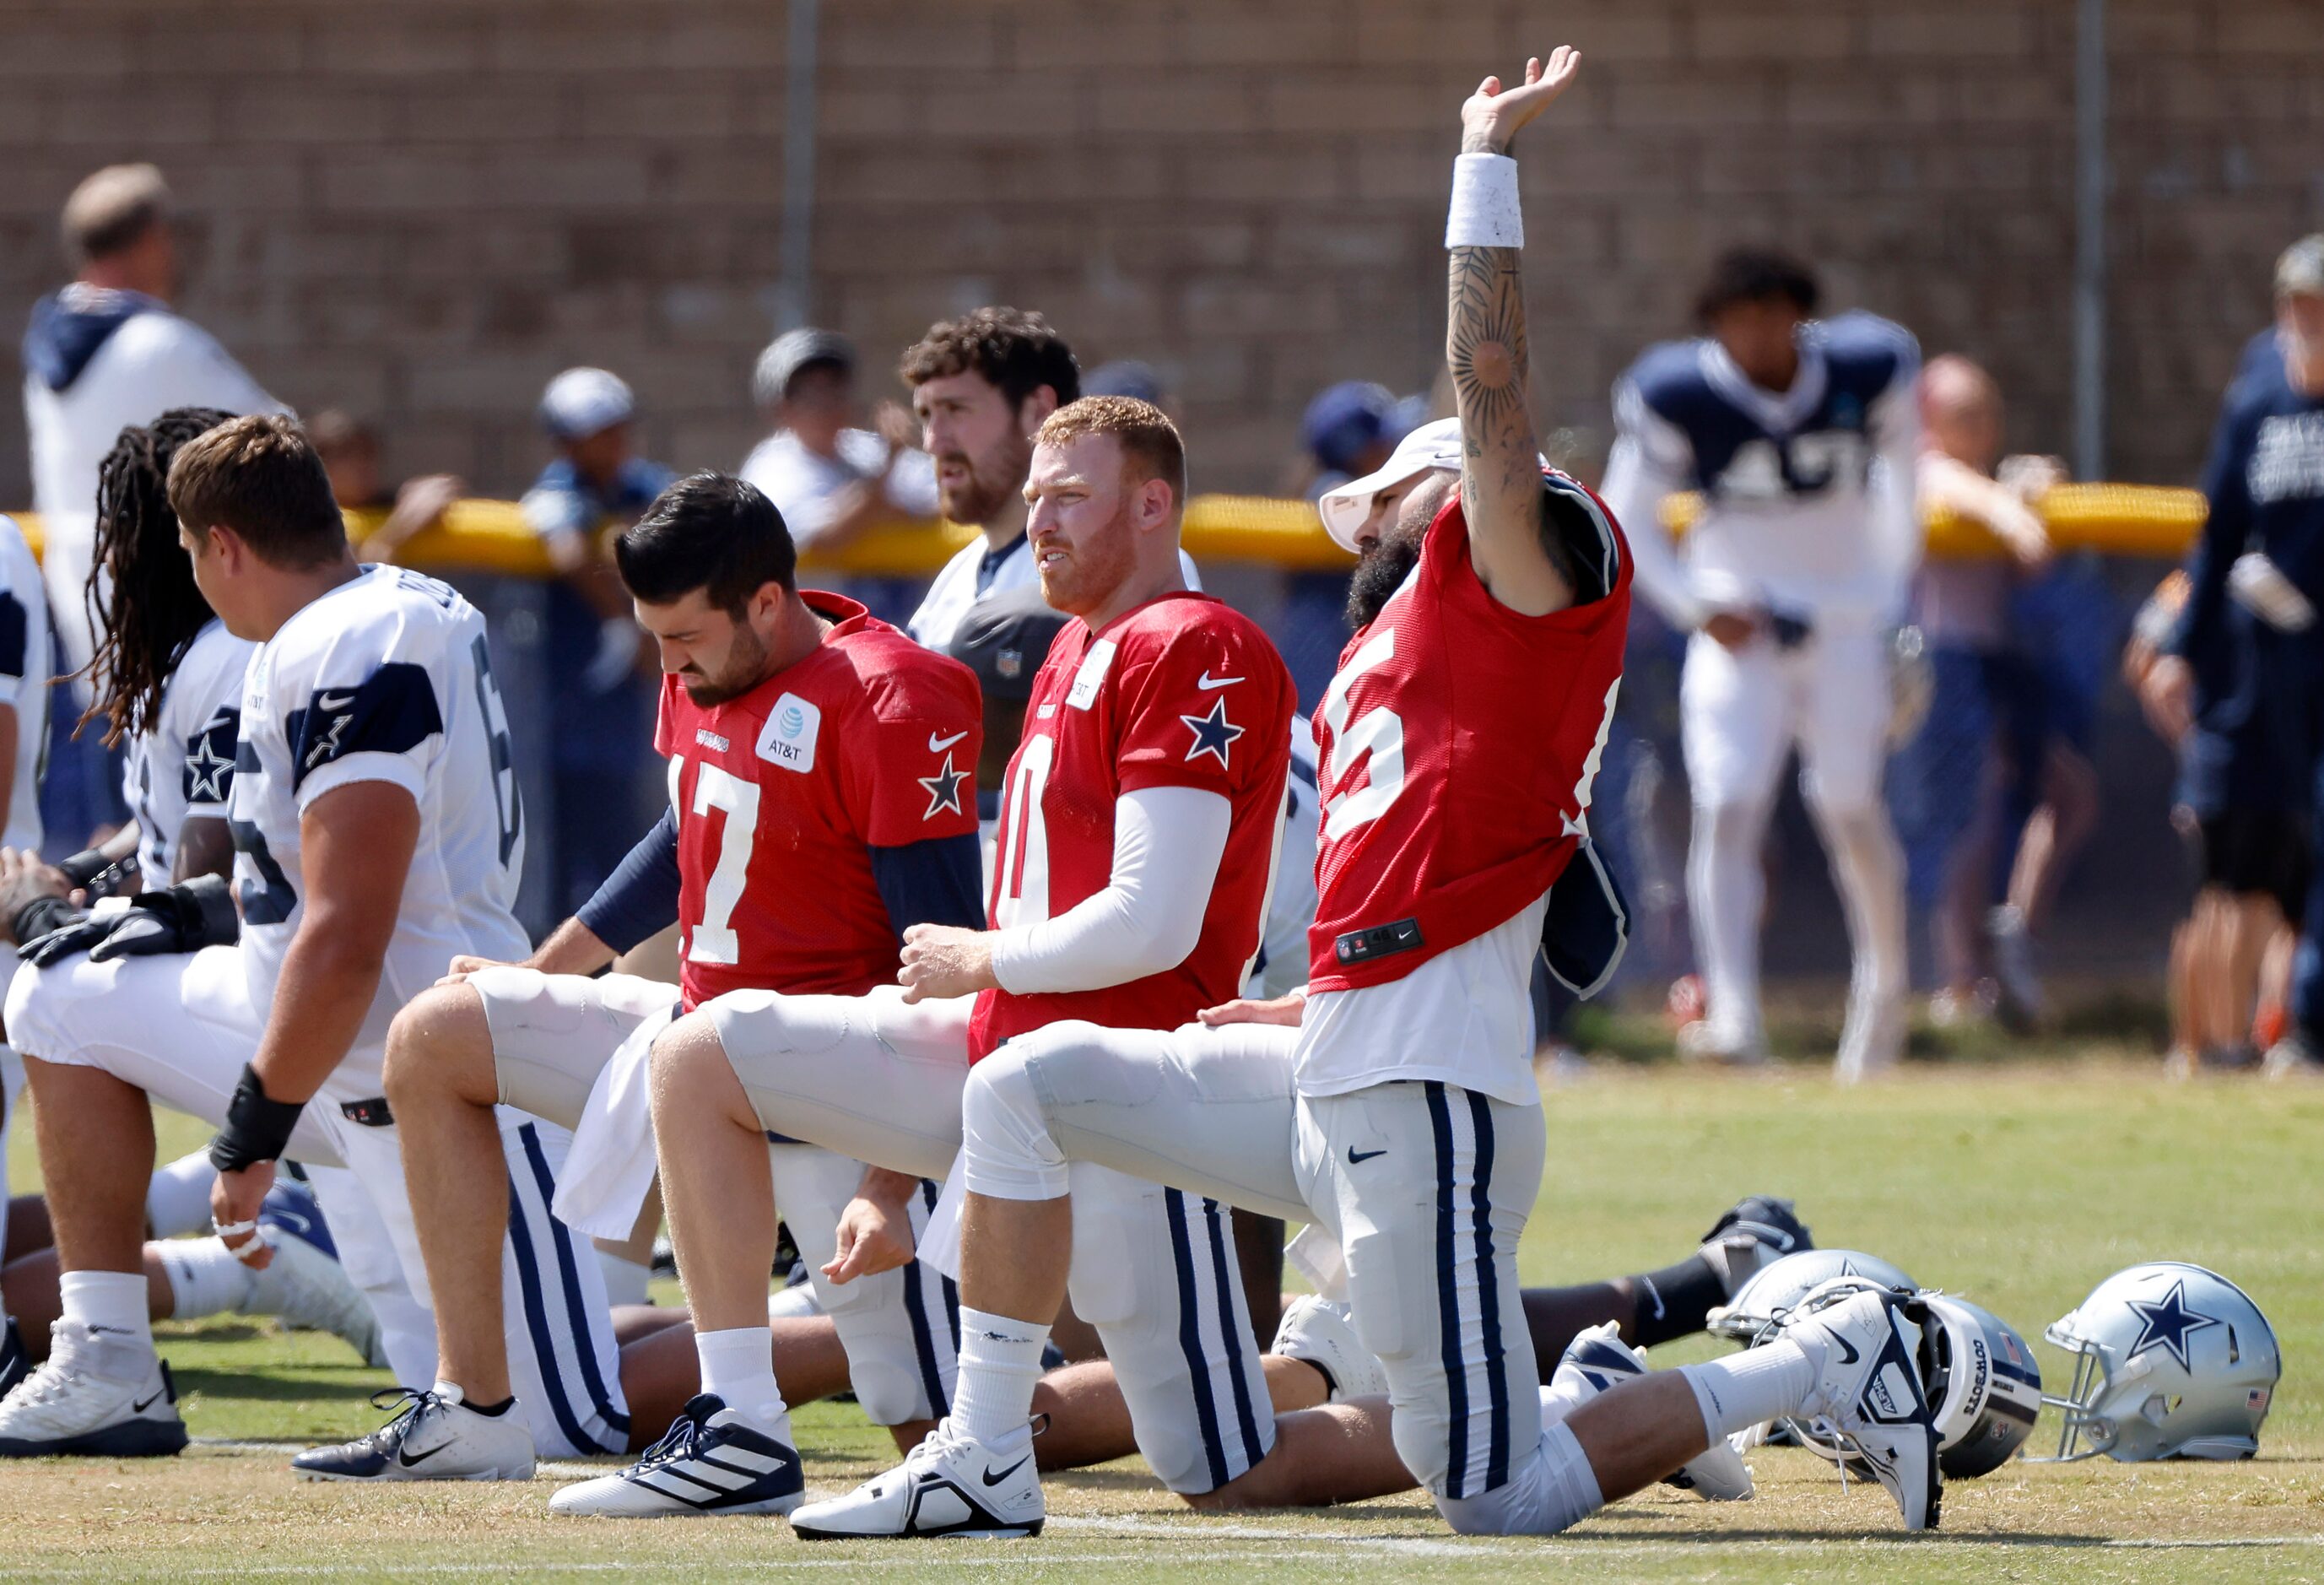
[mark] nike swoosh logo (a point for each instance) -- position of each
(139, 1408)
(1207, 682)
(993, 1477)
(324, 702)
(937, 745)
(1356, 1156)
(1848, 1354)
(409, 1462)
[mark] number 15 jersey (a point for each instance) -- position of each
(384, 678)
(1458, 745)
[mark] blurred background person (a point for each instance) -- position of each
(830, 480)
(1350, 429)
(2239, 681)
(604, 784)
(101, 354)
(1985, 728)
(350, 448)
(1802, 437)
(1129, 377)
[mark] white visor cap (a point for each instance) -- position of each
(1345, 507)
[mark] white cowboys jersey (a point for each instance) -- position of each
(974, 572)
(1807, 495)
(180, 767)
(25, 668)
(385, 678)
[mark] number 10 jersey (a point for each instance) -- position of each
(387, 678)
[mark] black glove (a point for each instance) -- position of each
(184, 918)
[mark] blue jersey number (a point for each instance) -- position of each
(269, 899)
(506, 801)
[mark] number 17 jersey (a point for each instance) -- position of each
(783, 792)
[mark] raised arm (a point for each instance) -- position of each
(1501, 497)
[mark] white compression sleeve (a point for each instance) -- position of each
(1167, 843)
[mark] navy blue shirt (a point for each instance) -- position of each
(2254, 686)
(561, 502)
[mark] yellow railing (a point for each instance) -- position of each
(492, 536)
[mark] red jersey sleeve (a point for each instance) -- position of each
(1195, 705)
(913, 774)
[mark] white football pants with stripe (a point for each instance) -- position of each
(1425, 1185)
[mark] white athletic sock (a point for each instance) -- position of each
(111, 1301)
(625, 1280)
(178, 1198)
(205, 1278)
(1752, 1388)
(1000, 1366)
(738, 1365)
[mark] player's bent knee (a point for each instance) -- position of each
(440, 1041)
(1007, 1152)
(1553, 1489)
(688, 1056)
(889, 1391)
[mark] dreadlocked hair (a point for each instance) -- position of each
(140, 591)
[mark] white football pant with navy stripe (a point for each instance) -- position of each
(879, 1079)
(554, 1034)
(1426, 1186)
(181, 1027)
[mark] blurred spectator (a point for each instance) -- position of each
(106, 353)
(1127, 377)
(980, 384)
(1350, 429)
(2230, 972)
(1986, 727)
(829, 481)
(603, 788)
(350, 454)
(2239, 680)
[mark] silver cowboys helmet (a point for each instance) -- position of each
(2170, 1360)
(1985, 1390)
(1776, 1289)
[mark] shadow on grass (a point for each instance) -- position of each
(323, 1383)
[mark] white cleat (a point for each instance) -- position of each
(1596, 1359)
(434, 1437)
(98, 1394)
(1872, 1041)
(1869, 1392)
(949, 1485)
(711, 1461)
(1322, 1332)
(1703, 1041)
(306, 1289)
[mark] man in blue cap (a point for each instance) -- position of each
(600, 728)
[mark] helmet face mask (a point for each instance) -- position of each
(2170, 1360)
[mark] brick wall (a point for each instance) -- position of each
(421, 208)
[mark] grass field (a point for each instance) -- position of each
(2020, 1185)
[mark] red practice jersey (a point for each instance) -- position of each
(1457, 744)
(1182, 691)
(781, 794)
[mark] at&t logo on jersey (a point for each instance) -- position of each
(788, 740)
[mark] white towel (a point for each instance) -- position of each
(611, 1164)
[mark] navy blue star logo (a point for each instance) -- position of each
(2167, 1324)
(206, 771)
(944, 789)
(1213, 733)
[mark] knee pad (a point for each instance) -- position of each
(1553, 1489)
(1006, 1149)
(884, 1368)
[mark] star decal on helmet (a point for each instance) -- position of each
(944, 789)
(1213, 734)
(2167, 1324)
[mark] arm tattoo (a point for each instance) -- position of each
(1486, 349)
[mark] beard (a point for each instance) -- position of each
(745, 668)
(1380, 575)
(989, 487)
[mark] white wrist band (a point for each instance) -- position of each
(1485, 213)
